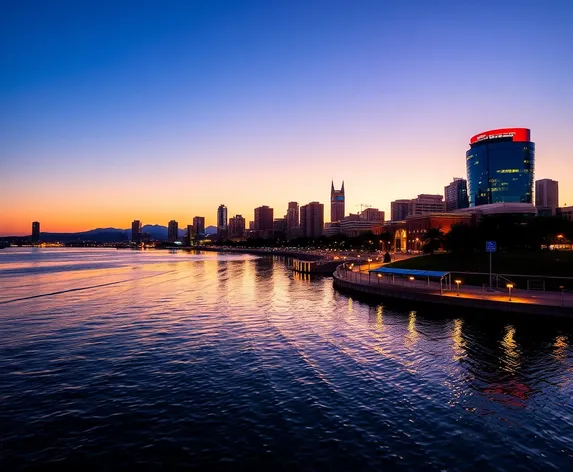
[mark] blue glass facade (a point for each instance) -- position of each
(500, 171)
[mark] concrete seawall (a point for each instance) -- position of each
(418, 295)
(261, 252)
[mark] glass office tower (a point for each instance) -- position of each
(500, 166)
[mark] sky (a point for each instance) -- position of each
(114, 111)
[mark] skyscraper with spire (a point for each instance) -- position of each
(336, 203)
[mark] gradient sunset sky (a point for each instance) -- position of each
(118, 110)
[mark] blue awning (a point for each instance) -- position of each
(410, 272)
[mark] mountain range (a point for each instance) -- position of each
(110, 235)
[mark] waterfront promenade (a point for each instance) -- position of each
(521, 301)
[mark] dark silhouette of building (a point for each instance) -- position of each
(237, 226)
(199, 225)
(264, 221)
(172, 231)
(565, 212)
(547, 197)
(279, 225)
(500, 165)
(456, 194)
(372, 214)
(293, 215)
(425, 204)
(190, 234)
(222, 221)
(136, 231)
(399, 210)
(35, 231)
(312, 220)
(336, 203)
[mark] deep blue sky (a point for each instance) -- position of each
(111, 111)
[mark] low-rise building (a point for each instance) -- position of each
(565, 212)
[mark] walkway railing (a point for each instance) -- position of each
(509, 293)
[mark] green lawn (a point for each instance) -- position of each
(549, 263)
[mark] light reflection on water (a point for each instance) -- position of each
(183, 359)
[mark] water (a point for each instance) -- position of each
(111, 359)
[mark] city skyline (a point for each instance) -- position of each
(169, 114)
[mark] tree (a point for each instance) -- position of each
(386, 240)
(462, 238)
(433, 240)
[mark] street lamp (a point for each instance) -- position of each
(369, 261)
(509, 287)
(561, 287)
(458, 281)
(411, 278)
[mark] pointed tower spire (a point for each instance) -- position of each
(332, 188)
(342, 189)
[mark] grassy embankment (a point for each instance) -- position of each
(536, 264)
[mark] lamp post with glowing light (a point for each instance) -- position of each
(562, 288)
(509, 287)
(369, 261)
(458, 282)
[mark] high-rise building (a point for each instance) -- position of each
(35, 231)
(172, 231)
(136, 231)
(264, 221)
(547, 196)
(237, 226)
(312, 220)
(292, 218)
(426, 204)
(199, 225)
(500, 165)
(222, 220)
(190, 234)
(372, 214)
(399, 210)
(336, 203)
(456, 194)
(293, 215)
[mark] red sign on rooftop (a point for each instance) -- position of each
(517, 134)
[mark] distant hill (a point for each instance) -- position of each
(101, 235)
(111, 235)
(211, 230)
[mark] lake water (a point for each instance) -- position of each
(155, 359)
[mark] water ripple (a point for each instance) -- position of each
(120, 359)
